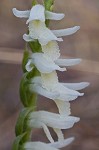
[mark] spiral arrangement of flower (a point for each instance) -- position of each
(40, 63)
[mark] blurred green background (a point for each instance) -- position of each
(83, 44)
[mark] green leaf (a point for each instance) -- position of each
(21, 122)
(25, 59)
(19, 140)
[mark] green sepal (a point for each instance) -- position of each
(27, 97)
(25, 59)
(20, 127)
(20, 140)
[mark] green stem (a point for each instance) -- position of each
(48, 6)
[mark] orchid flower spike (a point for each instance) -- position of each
(46, 61)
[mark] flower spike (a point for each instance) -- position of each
(40, 68)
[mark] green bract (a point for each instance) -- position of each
(27, 98)
(21, 126)
(19, 140)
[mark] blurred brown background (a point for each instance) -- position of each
(83, 44)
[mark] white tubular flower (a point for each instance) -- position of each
(49, 61)
(47, 146)
(42, 119)
(38, 31)
(37, 12)
(37, 28)
(43, 63)
(48, 85)
(49, 82)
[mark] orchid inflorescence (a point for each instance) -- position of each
(40, 77)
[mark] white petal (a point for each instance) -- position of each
(38, 30)
(52, 120)
(48, 36)
(54, 16)
(38, 89)
(21, 14)
(51, 50)
(44, 64)
(47, 132)
(63, 143)
(49, 81)
(65, 32)
(37, 13)
(59, 134)
(76, 86)
(38, 146)
(67, 62)
(63, 107)
(27, 38)
(29, 65)
(67, 94)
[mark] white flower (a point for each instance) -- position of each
(37, 12)
(49, 83)
(49, 60)
(37, 28)
(42, 63)
(42, 119)
(39, 31)
(47, 146)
